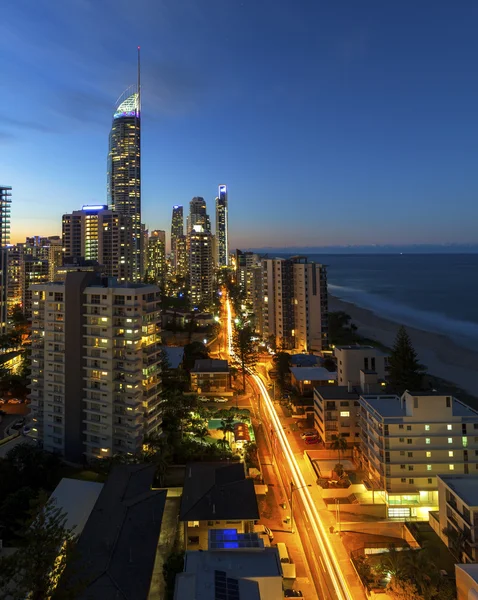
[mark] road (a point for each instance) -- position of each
(331, 569)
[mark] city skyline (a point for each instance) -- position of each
(371, 113)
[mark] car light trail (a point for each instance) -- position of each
(331, 562)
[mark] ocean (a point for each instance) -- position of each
(432, 292)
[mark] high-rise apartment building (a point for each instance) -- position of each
(157, 258)
(98, 234)
(249, 279)
(295, 304)
(95, 378)
(222, 227)
(201, 267)
(33, 270)
(177, 231)
(198, 215)
(5, 201)
(182, 257)
(124, 170)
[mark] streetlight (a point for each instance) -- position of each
(292, 490)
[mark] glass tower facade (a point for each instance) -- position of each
(5, 201)
(124, 172)
(177, 231)
(222, 228)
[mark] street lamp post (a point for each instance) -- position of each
(292, 490)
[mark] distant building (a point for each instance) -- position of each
(177, 231)
(254, 573)
(157, 257)
(34, 271)
(95, 374)
(222, 227)
(201, 267)
(352, 359)
(214, 495)
(458, 514)
(116, 553)
(406, 442)
(210, 375)
(182, 257)
(295, 304)
(198, 215)
(5, 201)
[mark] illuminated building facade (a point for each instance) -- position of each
(124, 171)
(101, 235)
(222, 228)
(95, 374)
(182, 260)
(198, 215)
(5, 201)
(201, 267)
(177, 231)
(157, 258)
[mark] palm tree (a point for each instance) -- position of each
(227, 425)
(200, 433)
(339, 444)
(422, 571)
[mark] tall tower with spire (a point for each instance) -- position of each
(124, 170)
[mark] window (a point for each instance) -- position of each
(409, 440)
(429, 467)
(402, 452)
(448, 402)
(410, 454)
(401, 440)
(429, 454)
(415, 403)
(450, 440)
(410, 467)
(345, 413)
(449, 427)
(427, 427)
(403, 480)
(427, 440)
(409, 427)
(450, 452)
(344, 403)
(430, 480)
(402, 466)
(400, 426)
(451, 467)
(411, 481)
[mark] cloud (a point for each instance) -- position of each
(23, 124)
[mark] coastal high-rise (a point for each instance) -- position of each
(124, 170)
(295, 304)
(222, 227)
(201, 267)
(177, 230)
(95, 371)
(198, 214)
(5, 201)
(157, 258)
(97, 234)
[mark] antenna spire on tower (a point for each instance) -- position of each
(139, 79)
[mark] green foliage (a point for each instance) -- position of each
(192, 352)
(244, 349)
(251, 456)
(456, 541)
(364, 571)
(406, 373)
(33, 570)
(339, 470)
(341, 329)
(227, 425)
(282, 365)
(403, 589)
(339, 444)
(173, 565)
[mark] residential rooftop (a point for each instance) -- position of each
(76, 498)
(304, 360)
(465, 486)
(337, 392)
(210, 365)
(359, 347)
(392, 406)
(313, 374)
(175, 355)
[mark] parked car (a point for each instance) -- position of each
(14, 401)
(292, 593)
(311, 440)
(308, 433)
(220, 399)
(204, 399)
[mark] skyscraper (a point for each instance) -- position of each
(124, 170)
(157, 258)
(5, 201)
(198, 214)
(222, 228)
(98, 234)
(201, 268)
(177, 230)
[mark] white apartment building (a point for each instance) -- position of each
(337, 412)
(353, 359)
(406, 442)
(95, 378)
(458, 512)
(295, 304)
(201, 265)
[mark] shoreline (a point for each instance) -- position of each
(442, 357)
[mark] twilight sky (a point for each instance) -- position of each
(332, 122)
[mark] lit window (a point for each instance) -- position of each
(451, 467)
(429, 454)
(427, 427)
(449, 427)
(465, 441)
(450, 440)
(345, 413)
(450, 452)
(427, 440)
(429, 467)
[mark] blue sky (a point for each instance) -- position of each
(339, 122)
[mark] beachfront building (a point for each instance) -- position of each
(295, 304)
(351, 360)
(466, 581)
(336, 412)
(456, 521)
(406, 442)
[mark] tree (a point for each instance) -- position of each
(403, 589)
(34, 569)
(406, 373)
(339, 444)
(341, 328)
(227, 425)
(244, 349)
(173, 565)
(282, 364)
(364, 570)
(193, 352)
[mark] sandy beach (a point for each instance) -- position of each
(442, 357)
